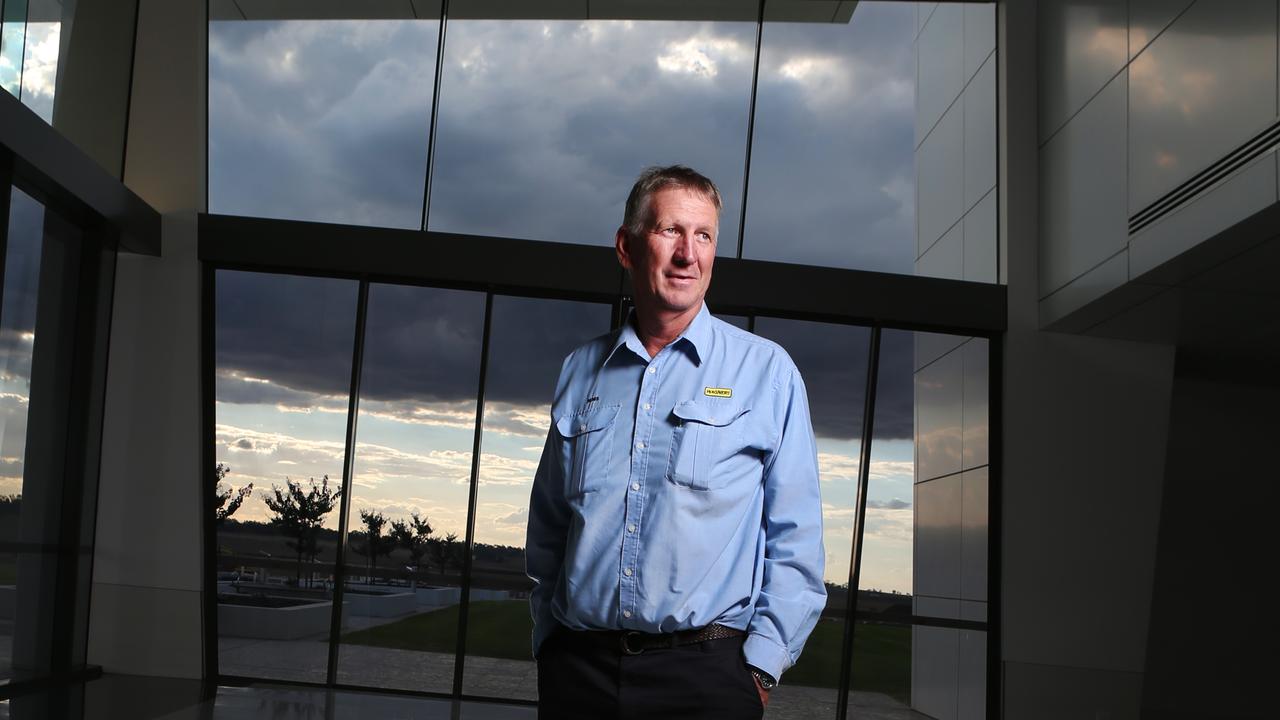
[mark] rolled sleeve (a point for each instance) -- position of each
(792, 593)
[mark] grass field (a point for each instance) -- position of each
(501, 628)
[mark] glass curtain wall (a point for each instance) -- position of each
(846, 135)
(411, 599)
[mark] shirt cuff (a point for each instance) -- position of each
(766, 654)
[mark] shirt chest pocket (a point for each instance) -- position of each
(588, 443)
(706, 435)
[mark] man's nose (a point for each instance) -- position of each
(684, 251)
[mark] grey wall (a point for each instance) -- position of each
(1206, 656)
(955, 238)
(146, 611)
(1134, 98)
(956, 141)
(1083, 419)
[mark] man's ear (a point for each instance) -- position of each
(624, 249)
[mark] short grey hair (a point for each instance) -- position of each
(637, 218)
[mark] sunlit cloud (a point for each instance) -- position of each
(701, 55)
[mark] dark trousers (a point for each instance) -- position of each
(582, 677)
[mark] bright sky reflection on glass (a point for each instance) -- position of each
(544, 125)
(323, 120)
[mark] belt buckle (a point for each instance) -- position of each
(626, 648)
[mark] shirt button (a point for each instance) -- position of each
(626, 613)
(631, 528)
(653, 370)
(635, 486)
(640, 445)
(647, 406)
(627, 572)
(582, 427)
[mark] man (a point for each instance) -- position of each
(675, 527)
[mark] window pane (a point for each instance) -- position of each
(544, 124)
(832, 359)
(412, 475)
(927, 527)
(323, 120)
(529, 340)
(832, 176)
(29, 46)
(283, 347)
(13, 34)
(29, 573)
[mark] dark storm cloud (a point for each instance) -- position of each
(531, 338)
(832, 359)
(297, 332)
(421, 344)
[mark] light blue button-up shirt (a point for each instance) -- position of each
(680, 491)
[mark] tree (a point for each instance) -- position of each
(447, 552)
(229, 500)
(375, 543)
(300, 514)
(412, 536)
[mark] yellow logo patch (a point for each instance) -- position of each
(718, 392)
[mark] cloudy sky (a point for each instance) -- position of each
(543, 125)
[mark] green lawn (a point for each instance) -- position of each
(501, 628)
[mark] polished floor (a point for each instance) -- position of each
(135, 697)
(146, 698)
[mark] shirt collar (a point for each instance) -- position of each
(697, 335)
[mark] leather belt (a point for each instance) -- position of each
(633, 642)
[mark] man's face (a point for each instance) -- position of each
(670, 262)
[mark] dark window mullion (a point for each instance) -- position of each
(348, 466)
(855, 562)
(751, 123)
(209, 490)
(464, 601)
(435, 114)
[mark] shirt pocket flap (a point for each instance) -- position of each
(717, 414)
(587, 420)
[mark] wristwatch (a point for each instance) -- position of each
(766, 680)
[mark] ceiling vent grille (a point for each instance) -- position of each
(1259, 145)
